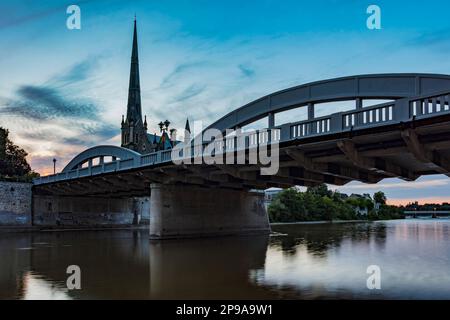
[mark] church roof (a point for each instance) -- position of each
(154, 138)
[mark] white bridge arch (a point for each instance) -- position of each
(100, 152)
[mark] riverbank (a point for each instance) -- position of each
(319, 222)
(353, 221)
(22, 229)
(27, 229)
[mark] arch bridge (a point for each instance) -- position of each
(389, 125)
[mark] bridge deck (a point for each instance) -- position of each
(369, 156)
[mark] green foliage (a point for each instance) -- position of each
(320, 190)
(361, 203)
(13, 163)
(386, 212)
(320, 204)
(287, 206)
(315, 204)
(379, 197)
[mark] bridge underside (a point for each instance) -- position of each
(406, 151)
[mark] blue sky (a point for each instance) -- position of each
(62, 90)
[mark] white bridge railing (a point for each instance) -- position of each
(430, 105)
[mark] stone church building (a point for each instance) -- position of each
(134, 129)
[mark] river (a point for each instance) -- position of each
(298, 261)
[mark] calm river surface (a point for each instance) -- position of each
(317, 261)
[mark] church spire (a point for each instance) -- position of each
(187, 132)
(134, 113)
(187, 127)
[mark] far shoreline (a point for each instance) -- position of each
(351, 221)
(319, 222)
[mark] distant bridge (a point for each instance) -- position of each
(407, 137)
(427, 213)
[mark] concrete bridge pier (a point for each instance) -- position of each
(181, 211)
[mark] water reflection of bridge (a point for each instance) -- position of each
(125, 265)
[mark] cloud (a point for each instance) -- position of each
(180, 70)
(76, 74)
(436, 38)
(246, 71)
(189, 92)
(55, 98)
(46, 103)
(398, 185)
(9, 19)
(420, 200)
(52, 120)
(426, 189)
(74, 134)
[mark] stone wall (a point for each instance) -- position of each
(15, 204)
(89, 211)
(142, 207)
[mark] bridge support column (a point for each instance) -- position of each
(188, 211)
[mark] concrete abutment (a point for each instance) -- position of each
(53, 210)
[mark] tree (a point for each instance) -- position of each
(320, 190)
(13, 162)
(318, 203)
(379, 197)
(386, 212)
(287, 207)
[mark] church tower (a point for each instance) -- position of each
(134, 131)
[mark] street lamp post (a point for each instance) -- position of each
(54, 166)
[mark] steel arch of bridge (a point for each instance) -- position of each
(373, 86)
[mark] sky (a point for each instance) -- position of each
(62, 91)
